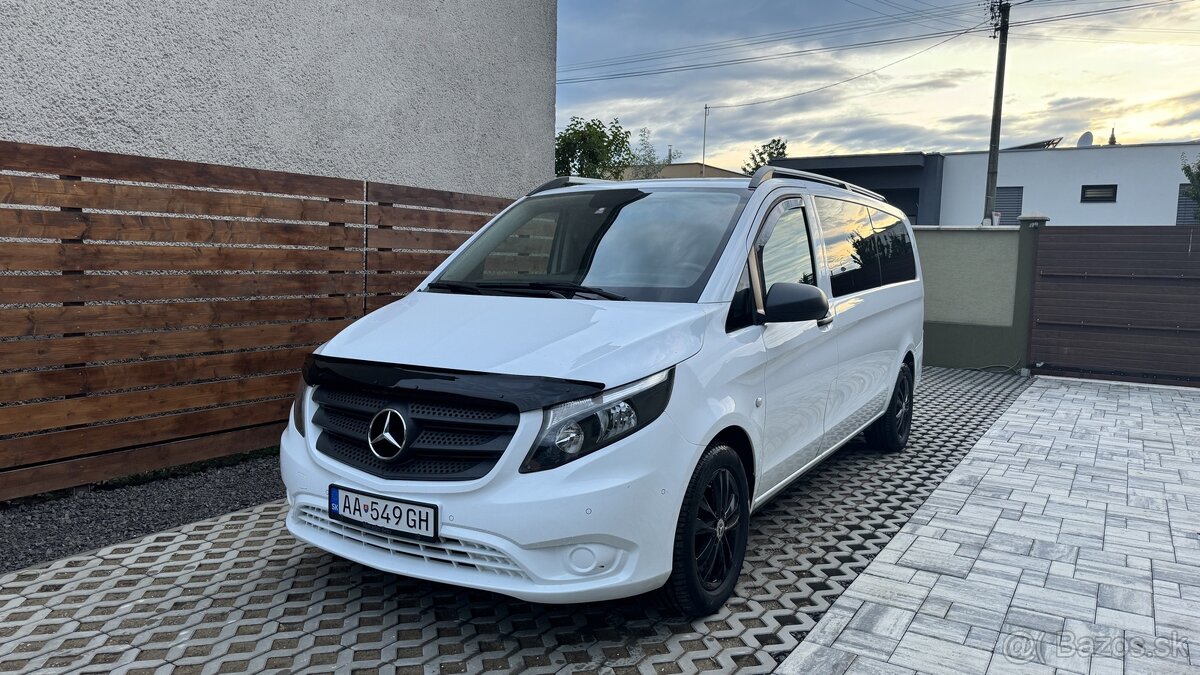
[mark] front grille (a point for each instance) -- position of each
(446, 440)
(446, 550)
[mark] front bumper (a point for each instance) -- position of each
(599, 528)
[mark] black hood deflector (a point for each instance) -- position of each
(526, 392)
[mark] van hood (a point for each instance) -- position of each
(608, 342)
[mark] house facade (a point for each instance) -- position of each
(1094, 185)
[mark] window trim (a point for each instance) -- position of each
(1103, 199)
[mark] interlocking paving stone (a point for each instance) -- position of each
(239, 594)
(1088, 565)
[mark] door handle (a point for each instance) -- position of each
(825, 320)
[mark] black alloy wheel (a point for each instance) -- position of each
(890, 432)
(710, 535)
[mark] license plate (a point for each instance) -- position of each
(383, 513)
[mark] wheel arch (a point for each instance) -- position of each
(739, 439)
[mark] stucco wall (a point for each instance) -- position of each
(970, 275)
(454, 95)
(1147, 179)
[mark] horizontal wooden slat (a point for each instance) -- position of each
(115, 257)
(1153, 342)
(374, 302)
(89, 163)
(1118, 358)
(129, 227)
(1085, 359)
(97, 318)
(415, 239)
(90, 195)
(1158, 319)
(389, 216)
(59, 445)
(89, 348)
(404, 261)
(28, 385)
(393, 283)
(129, 287)
(440, 199)
(91, 409)
(47, 477)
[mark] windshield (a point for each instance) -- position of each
(649, 244)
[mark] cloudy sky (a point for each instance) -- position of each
(1136, 70)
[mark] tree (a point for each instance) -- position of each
(772, 149)
(589, 149)
(1192, 190)
(646, 162)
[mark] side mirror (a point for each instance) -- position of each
(787, 302)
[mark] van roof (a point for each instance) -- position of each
(761, 175)
(820, 188)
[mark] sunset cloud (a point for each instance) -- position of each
(1062, 80)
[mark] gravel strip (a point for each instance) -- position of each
(32, 532)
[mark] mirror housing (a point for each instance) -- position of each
(788, 302)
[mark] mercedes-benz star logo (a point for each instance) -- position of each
(385, 436)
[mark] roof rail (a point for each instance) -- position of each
(765, 173)
(564, 181)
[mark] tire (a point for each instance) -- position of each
(890, 432)
(710, 542)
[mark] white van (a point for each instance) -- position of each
(591, 396)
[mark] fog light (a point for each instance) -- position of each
(582, 559)
(569, 438)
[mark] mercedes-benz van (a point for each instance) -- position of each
(592, 395)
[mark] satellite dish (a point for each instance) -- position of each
(1085, 141)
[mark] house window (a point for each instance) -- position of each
(1009, 201)
(1188, 212)
(1098, 193)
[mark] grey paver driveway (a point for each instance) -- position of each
(238, 594)
(1067, 541)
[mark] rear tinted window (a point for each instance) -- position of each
(849, 246)
(897, 261)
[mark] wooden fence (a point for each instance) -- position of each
(1118, 303)
(154, 312)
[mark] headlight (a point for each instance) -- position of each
(579, 428)
(299, 414)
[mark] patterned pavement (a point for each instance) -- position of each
(238, 594)
(1066, 541)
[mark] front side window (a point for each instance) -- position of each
(644, 244)
(850, 246)
(787, 254)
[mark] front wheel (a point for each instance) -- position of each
(710, 537)
(890, 432)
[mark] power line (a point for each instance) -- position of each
(851, 79)
(755, 59)
(844, 47)
(852, 26)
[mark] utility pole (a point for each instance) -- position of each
(1000, 10)
(704, 142)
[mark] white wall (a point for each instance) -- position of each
(1147, 179)
(450, 94)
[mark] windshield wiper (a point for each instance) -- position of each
(554, 287)
(456, 287)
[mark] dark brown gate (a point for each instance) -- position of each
(1118, 302)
